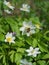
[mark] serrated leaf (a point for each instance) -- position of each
(12, 53)
(21, 50)
(41, 62)
(46, 56)
(35, 43)
(18, 57)
(43, 47)
(13, 24)
(2, 37)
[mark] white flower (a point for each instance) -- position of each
(10, 38)
(27, 28)
(25, 7)
(8, 4)
(25, 62)
(7, 11)
(33, 51)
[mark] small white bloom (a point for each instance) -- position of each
(8, 4)
(25, 7)
(27, 28)
(7, 11)
(10, 38)
(33, 51)
(25, 62)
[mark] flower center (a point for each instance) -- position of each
(27, 29)
(32, 51)
(25, 8)
(9, 39)
(9, 4)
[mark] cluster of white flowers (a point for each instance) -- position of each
(27, 29)
(31, 52)
(25, 7)
(8, 4)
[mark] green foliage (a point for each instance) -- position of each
(11, 54)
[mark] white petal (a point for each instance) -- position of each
(5, 2)
(32, 31)
(21, 8)
(28, 34)
(33, 27)
(27, 50)
(38, 52)
(22, 29)
(29, 54)
(30, 23)
(34, 55)
(36, 49)
(9, 35)
(24, 23)
(13, 38)
(13, 41)
(23, 33)
(11, 7)
(27, 10)
(31, 48)
(23, 61)
(23, 5)
(5, 40)
(7, 11)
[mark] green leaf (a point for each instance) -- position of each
(41, 62)
(21, 50)
(46, 36)
(35, 43)
(18, 57)
(1, 56)
(13, 24)
(2, 37)
(43, 47)
(34, 63)
(46, 56)
(11, 54)
(20, 44)
(29, 40)
(4, 59)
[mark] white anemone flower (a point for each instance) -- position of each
(25, 7)
(33, 51)
(25, 62)
(10, 38)
(8, 4)
(27, 28)
(7, 11)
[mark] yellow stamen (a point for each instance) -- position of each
(9, 39)
(32, 51)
